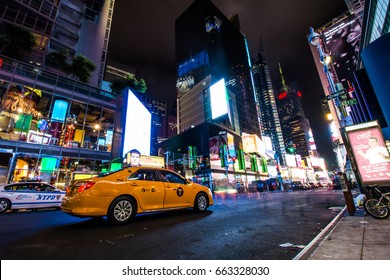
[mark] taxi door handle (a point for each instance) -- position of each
(134, 184)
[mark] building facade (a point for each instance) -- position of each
(295, 126)
(208, 44)
(216, 103)
(375, 57)
(376, 21)
(66, 25)
(269, 116)
(52, 126)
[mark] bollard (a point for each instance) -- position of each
(347, 193)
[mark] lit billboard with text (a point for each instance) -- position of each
(370, 152)
(342, 41)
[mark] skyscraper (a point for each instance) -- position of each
(268, 113)
(208, 44)
(61, 124)
(295, 126)
(73, 26)
(374, 52)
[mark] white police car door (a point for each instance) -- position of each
(20, 195)
(46, 196)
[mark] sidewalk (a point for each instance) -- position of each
(357, 237)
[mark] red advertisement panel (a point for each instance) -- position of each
(371, 155)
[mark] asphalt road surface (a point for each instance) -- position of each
(256, 226)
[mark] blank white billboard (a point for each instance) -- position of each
(218, 96)
(137, 127)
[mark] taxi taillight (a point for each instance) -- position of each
(85, 186)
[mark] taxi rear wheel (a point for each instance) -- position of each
(5, 204)
(201, 202)
(121, 210)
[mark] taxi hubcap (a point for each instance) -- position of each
(123, 210)
(202, 202)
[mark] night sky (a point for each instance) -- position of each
(143, 36)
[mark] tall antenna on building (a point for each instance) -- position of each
(284, 86)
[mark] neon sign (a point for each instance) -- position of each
(282, 95)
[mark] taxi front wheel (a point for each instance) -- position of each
(121, 210)
(201, 202)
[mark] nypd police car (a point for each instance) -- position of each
(124, 193)
(29, 195)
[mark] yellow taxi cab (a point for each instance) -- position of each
(121, 194)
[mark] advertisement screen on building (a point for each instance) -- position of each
(137, 126)
(298, 159)
(291, 160)
(218, 97)
(252, 144)
(230, 146)
(215, 143)
(342, 42)
(314, 162)
(370, 152)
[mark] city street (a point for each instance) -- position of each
(249, 226)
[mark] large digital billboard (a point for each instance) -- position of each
(370, 152)
(342, 43)
(137, 128)
(215, 143)
(290, 160)
(218, 97)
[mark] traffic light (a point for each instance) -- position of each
(291, 149)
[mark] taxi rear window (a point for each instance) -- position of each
(104, 174)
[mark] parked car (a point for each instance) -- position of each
(257, 186)
(297, 185)
(272, 184)
(240, 187)
(29, 195)
(307, 186)
(121, 194)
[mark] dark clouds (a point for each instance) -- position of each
(143, 36)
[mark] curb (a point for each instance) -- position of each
(310, 248)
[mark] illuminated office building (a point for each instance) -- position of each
(209, 44)
(268, 112)
(295, 126)
(216, 103)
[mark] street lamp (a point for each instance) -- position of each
(334, 95)
(315, 40)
